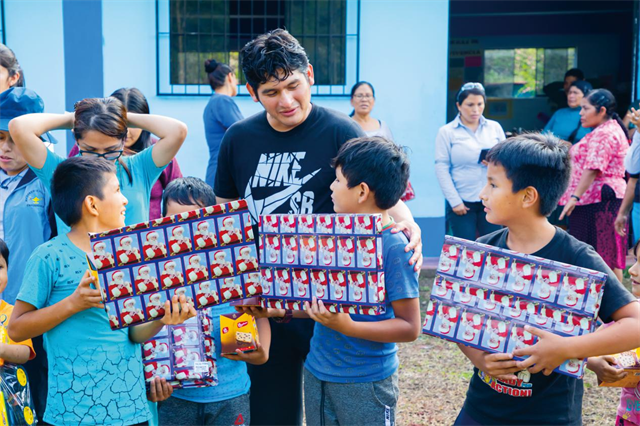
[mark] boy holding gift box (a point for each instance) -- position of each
(228, 402)
(351, 371)
(526, 176)
(95, 373)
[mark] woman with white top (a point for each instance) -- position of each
(461, 147)
(363, 98)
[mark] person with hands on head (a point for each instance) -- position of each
(60, 299)
(604, 368)
(351, 371)
(279, 77)
(526, 176)
(594, 196)
(228, 402)
(461, 146)
(11, 74)
(100, 127)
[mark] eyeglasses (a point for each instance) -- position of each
(361, 96)
(469, 86)
(109, 155)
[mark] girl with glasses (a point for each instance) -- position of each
(100, 127)
(460, 167)
(138, 140)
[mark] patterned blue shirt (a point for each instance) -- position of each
(95, 373)
(337, 358)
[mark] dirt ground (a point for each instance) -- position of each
(434, 376)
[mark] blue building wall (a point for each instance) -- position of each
(403, 53)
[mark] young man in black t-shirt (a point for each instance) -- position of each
(526, 176)
(280, 162)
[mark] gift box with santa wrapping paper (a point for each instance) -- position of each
(483, 296)
(336, 258)
(208, 255)
(183, 354)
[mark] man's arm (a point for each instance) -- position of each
(405, 223)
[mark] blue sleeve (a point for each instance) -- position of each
(551, 123)
(230, 113)
(143, 168)
(37, 281)
(443, 167)
(45, 174)
(401, 281)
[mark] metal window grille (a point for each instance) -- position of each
(3, 36)
(190, 31)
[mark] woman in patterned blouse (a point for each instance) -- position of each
(597, 183)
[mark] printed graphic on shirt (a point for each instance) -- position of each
(518, 388)
(280, 171)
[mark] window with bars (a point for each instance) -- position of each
(191, 31)
(523, 73)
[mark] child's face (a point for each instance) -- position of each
(634, 274)
(3, 274)
(501, 204)
(112, 206)
(345, 199)
(11, 160)
(176, 208)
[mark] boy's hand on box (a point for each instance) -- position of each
(257, 357)
(177, 311)
(159, 390)
(604, 368)
(85, 297)
(546, 355)
(335, 321)
(414, 234)
(499, 365)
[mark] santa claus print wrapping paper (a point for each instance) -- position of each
(184, 354)
(333, 257)
(483, 296)
(208, 255)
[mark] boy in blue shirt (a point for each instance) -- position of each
(95, 373)
(526, 177)
(227, 403)
(351, 371)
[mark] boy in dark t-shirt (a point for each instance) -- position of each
(280, 162)
(526, 176)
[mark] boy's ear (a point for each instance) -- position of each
(364, 192)
(530, 197)
(89, 206)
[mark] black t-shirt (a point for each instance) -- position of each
(545, 400)
(283, 172)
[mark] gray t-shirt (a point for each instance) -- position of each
(383, 131)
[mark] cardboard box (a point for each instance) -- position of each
(184, 354)
(483, 296)
(209, 255)
(628, 361)
(238, 331)
(335, 258)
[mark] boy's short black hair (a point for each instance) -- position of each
(273, 55)
(379, 163)
(75, 179)
(4, 251)
(188, 191)
(540, 160)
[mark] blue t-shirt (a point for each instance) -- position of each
(219, 114)
(564, 122)
(95, 373)
(233, 379)
(337, 358)
(144, 174)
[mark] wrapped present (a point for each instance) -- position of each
(336, 258)
(483, 296)
(208, 255)
(183, 354)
